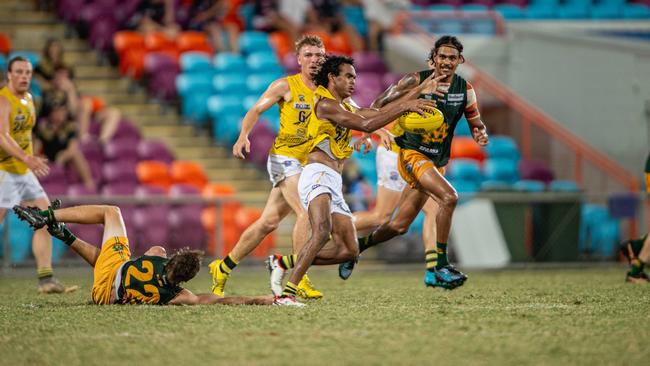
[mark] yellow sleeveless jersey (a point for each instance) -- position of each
(293, 137)
(22, 117)
(319, 129)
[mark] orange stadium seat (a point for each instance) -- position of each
(153, 173)
(5, 44)
(124, 41)
(218, 190)
(188, 172)
(132, 64)
(281, 44)
(340, 43)
(193, 41)
(158, 41)
(466, 147)
(230, 231)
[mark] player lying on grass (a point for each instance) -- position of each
(117, 279)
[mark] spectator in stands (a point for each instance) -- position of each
(215, 16)
(154, 15)
(51, 60)
(326, 16)
(83, 109)
(57, 139)
(267, 18)
(381, 15)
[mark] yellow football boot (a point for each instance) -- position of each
(306, 289)
(219, 278)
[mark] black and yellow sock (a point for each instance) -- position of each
(288, 261)
(290, 289)
(636, 266)
(44, 274)
(431, 258)
(442, 254)
(228, 264)
(365, 243)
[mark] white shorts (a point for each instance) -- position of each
(317, 179)
(387, 174)
(16, 188)
(281, 167)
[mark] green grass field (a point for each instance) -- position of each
(513, 317)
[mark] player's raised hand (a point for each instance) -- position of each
(432, 82)
(480, 136)
(241, 148)
(419, 106)
(365, 141)
(387, 139)
(37, 165)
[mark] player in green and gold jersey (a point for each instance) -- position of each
(117, 278)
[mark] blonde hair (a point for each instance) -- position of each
(308, 40)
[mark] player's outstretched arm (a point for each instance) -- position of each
(402, 88)
(273, 94)
(186, 297)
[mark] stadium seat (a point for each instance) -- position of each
(369, 62)
(150, 222)
(126, 130)
(3, 63)
(464, 169)
(188, 172)
(185, 227)
(340, 43)
(101, 33)
(449, 26)
(31, 56)
(462, 128)
(465, 186)
(542, 11)
(196, 62)
(154, 150)
(263, 61)
(188, 84)
(120, 171)
(281, 44)
(510, 12)
(213, 190)
(220, 104)
(563, 186)
(500, 169)
(78, 190)
(120, 149)
(623, 205)
(225, 63)
(369, 82)
(158, 41)
(605, 238)
(466, 147)
(290, 63)
(154, 173)
(251, 41)
(194, 107)
(257, 83)
(5, 44)
(132, 63)
(473, 8)
(194, 41)
(125, 40)
(607, 11)
(502, 147)
(529, 186)
(441, 7)
(636, 11)
(573, 11)
(535, 170)
(354, 15)
(225, 127)
(229, 83)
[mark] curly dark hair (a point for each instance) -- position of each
(183, 265)
(331, 65)
(446, 40)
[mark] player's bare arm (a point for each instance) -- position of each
(431, 83)
(278, 90)
(8, 144)
(333, 111)
(396, 91)
(473, 116)
(186, 297)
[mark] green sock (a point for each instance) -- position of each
(288, 261)
(290, 289)
(228, 264)
(442, 254)
(365, 243)
(44, 274)
(636, 266)
(431, 258)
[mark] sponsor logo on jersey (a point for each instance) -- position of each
(302, 106)
(429, 150)
(458, 97)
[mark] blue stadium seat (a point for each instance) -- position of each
(3, 63)
(246, 12)
(579, 3)
(573, 11)
(194, 107)
(510, 12)
(31, 56)
(591, 216)
(257, 83)
(462, 128)
(464, 169)
(605, 238)
(440, 7)
(544, 3)
(265, 61)
(500, 169)
(465, 186)
(563, 186)
(491, 185)
(226, 62)
(229, 83)
(354, 15)
(542, 12)
(251, 41)
(225, 127)
(482, 26)
(636, 11)
(613, 2)
(35, 89)
(474, 8)
(195, 62)
(193, 83)
(272, 114)
(449, 26)
(417, 224)
(20, 238)
(231, 104)
(529, 186)
(502, 147)
(607, 11)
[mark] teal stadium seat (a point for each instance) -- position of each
(501, 169)
(464, 169)
(20, 240)
(194, 91)
(196, 62)
(462, 128)
(264, 62)
(573, 11)
(529, 186)
(607, 11)
(225, 128)
(251, 41)
(474, 8)
(246, 12)
(510, 12)
(31, 56)
(229, 83)
(354, 15)
(272, 115)
(502, 147)
(227, 62)
(563, 186)
(542, 11)
(636, 11)
(3, 63)
(449, 26)
(257, 83)
(226, 113)
(193, 83)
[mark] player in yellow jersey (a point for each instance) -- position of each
(19, 167)
(119, 279)
(320, 184)
(294, 96)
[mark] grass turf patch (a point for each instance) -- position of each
(585, 316)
